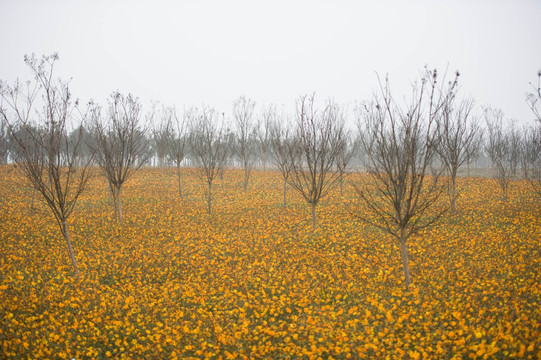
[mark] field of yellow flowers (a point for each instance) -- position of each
(255, 281)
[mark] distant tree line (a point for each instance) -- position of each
(410, 152)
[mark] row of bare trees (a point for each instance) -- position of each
(406, 148)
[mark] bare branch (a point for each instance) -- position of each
(49, 159)
(400, 146)
(209, 148)
(122, 147)
(314, 150)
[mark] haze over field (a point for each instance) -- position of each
(212, 51)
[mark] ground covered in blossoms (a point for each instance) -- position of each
(254, 280)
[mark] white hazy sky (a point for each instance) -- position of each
(209, 51)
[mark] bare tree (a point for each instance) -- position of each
(401, 145)
(531, 157)
(209, 147)
(263, 133)
(344, 158)
(21, 137)
(318, 141)
(243, 110)
(177, 138)
(121, 144)
(503, 148)
(460, 140)
(280, 137)
(531, 149)
(534, 99)
(160, 133)
(4, 142)
(47, 158)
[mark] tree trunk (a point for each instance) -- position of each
(341, 185)
(118, 206)
(246, 178)
(32, 202)
(314, 224)
(70, 248)
(111, 193)
(505, 189)
(453, 191)
(285, 187)
(179, 183)
(209, 198)
(404, 253)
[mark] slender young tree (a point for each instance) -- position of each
(160, 134)
(209, 148)
(344, 158)
(503, 148)
(43, 112)
(459, 140)
(531, 157)
(176, 138)
(4, 141)
(401, 145)
(245, 146)
(533, 99)
(121, 144)
(263, 133)
(314, 150)
(280, 146)
(531, 153)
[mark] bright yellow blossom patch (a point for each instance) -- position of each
(255, 281)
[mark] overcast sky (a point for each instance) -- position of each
(192, 52)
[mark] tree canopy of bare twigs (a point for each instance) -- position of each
(318, 139)
(503, 148)
(401, 145)
(534, 98)
(345, 156)
(246, 133)
(4, 141)
(267, 117)
(160, 118)
(531, 144)
(209, 148)
(122, 147)
(460, 139)
(176, 138)
(43, 112)
(531, 157)
(280, 138)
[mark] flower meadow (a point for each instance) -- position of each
(254, 280)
